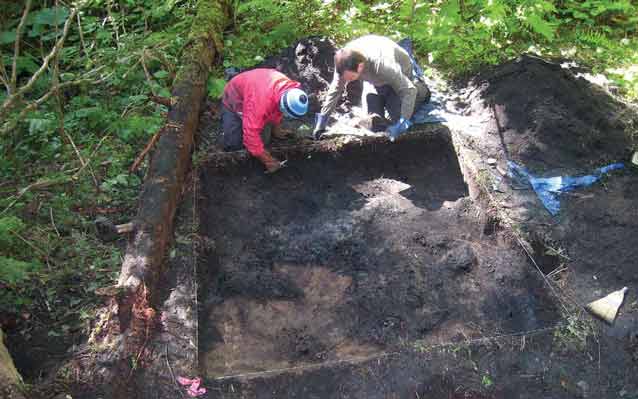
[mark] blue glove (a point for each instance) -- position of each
(320, 125)
(398, 128)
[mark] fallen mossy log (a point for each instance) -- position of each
(118, 344)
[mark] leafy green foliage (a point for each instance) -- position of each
(14, 271)
(215, 87)
(487, 381)
(457, 36)
(9, 226)
(48, 197)
(262, 27)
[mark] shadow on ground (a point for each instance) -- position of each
(351, 254)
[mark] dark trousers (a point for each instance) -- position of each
(233, 133)
(377, 99)
(233, 136)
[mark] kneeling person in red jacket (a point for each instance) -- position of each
(254, 99)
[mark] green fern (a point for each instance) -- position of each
(8, 227)
(536, 17)
(13, 271)
(593, 38)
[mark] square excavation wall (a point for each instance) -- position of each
(350, 254)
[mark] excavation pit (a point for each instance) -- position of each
(346, 254)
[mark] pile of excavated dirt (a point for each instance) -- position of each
(546, 117)
(310, 62)
(553, 122)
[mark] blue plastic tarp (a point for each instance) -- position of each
(548, 189)
(433, 111)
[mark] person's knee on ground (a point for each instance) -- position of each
(376, 101)
(392, 102)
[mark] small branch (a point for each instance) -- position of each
(149, 79)
(86, 53)
(109, 13)
(97, 147)
(37, 185)
(148, 147)
(125, 228)
(16, 49)
(35, 104)
(82, 162)
(45, 64)
(55, 79)
(53, 222)
(133, 67)
(48, 183)
(30, 244)
(56, 82)
(173, 374)
(4, 78)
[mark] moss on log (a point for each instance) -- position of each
(119, 340)
(143, 261)
(160, 193)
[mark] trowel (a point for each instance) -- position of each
(606, 308)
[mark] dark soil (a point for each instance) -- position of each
(547, 118)
(553, 122)
(39, 355)
(513, 367)
(351, 254)
(565, 125)
(331, 279)
(370, 272)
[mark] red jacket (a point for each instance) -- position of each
(254, 95)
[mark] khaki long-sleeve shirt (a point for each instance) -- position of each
(386, 63)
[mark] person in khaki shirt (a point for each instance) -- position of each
(389, 82)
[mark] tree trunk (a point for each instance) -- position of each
(120, 337)
(163, 184)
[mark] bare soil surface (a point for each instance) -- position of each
(565, 125)
(352, 254)
(371, 273)
(547, 118)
